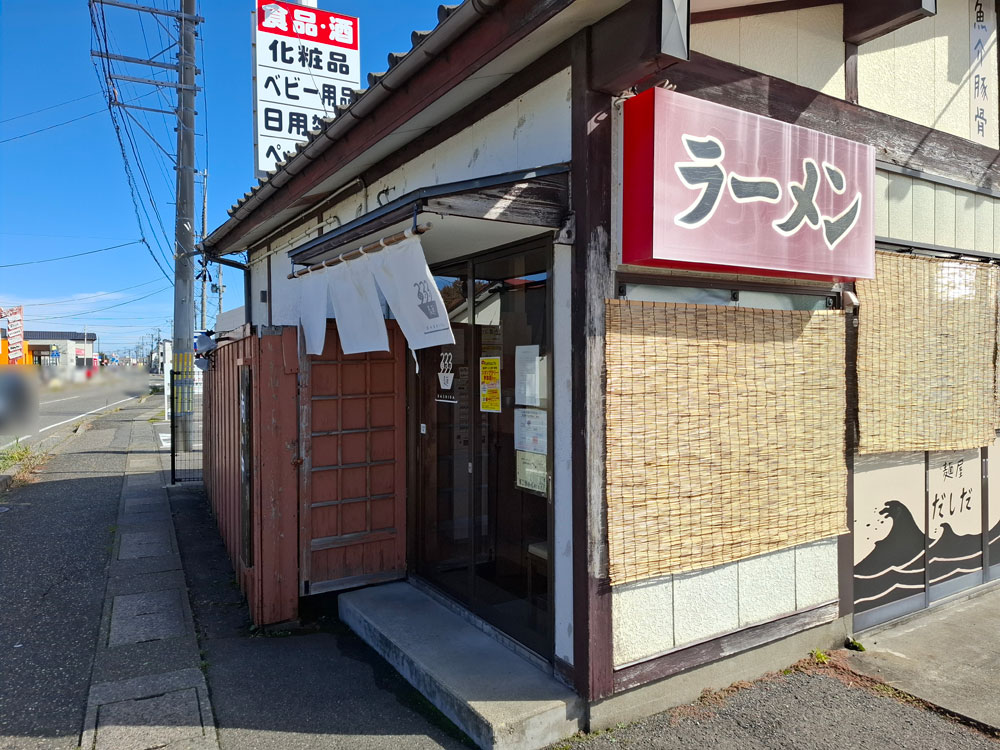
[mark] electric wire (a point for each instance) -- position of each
(59, 124)
(51, 127)
(101, 309)
(163, 99)
(104, 81)
(78, 299)
(66, 257)
(52, 106)
(127, 128)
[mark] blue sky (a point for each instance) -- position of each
(64, 190)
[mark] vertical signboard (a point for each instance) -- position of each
(982, 30)
(955, 512)
(15, 332)
(306, 62)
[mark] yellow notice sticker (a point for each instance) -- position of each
(489, 384)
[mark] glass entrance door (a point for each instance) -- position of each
(484, 509)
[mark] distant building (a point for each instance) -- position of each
(67, 349)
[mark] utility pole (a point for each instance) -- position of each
(183, 322)
(184, 224)
(204, 231)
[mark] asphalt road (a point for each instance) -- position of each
(67, 405)
(56, 536)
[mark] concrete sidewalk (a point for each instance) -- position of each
(947, 655)
(315, 687)
(147, 690)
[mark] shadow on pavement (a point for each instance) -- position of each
(316, 686)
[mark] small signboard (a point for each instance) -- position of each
(532, 474)
(982, 36)
(306, 62)
(489, 384)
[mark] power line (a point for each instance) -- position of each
(104, 83)
(75, 255)
(60, 236)
(53, 106)
(51, 127)
(57, 125)
(102, 309)
(126, 126)
(89, 296)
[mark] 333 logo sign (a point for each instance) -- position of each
(426, 301)
(445, 375)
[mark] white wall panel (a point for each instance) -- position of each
(654, 616)
(921, 72)
(944, 216)
(965, 220)
(900, 207)
(923, 211)
(802, 46)
(984, 241)
(909, 209)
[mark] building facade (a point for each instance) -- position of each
(723, 305)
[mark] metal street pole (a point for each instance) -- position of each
(184, 225)
(204, 231)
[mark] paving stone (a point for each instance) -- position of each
(151, 616)
(136, 544)
(147, 723)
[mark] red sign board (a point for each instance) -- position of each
(717, 189)
(305, 24)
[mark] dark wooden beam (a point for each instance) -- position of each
(617, 66)
(542, 202)
(719, 648)
(592, 281)
(865, 20)
(851, 92)
(740, 11)
(895, 140)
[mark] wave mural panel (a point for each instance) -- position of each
(955, 513)
(889, 533)
(993, 508)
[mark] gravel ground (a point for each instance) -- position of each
(804, 710)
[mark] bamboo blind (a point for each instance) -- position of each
(725, 434)
(926, 355)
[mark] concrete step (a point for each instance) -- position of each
(494, 695)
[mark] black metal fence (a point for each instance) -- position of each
(186, 427)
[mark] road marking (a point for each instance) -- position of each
(45, 403)
(14, 442)
(67, 421)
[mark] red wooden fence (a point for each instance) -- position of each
(265, 560)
